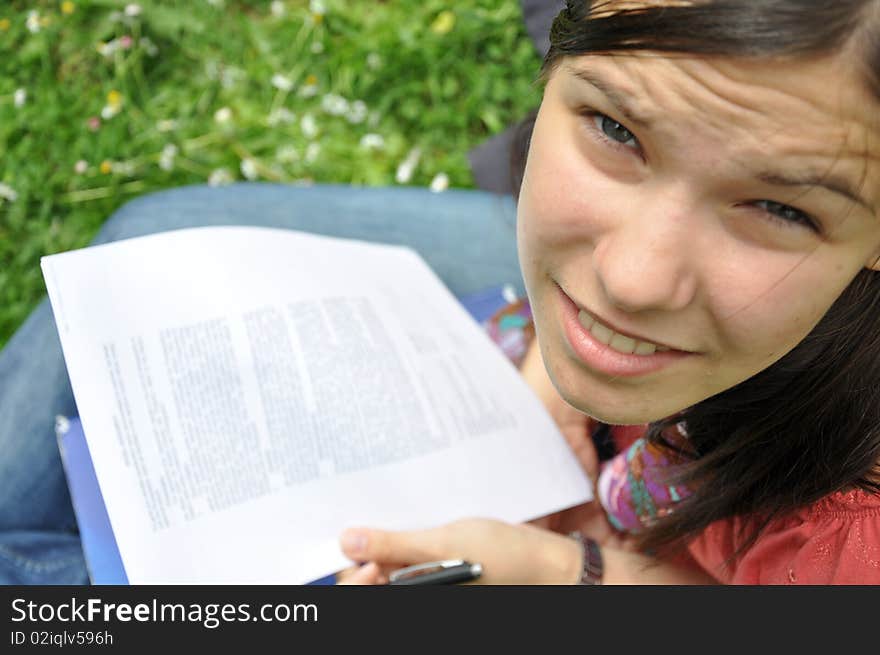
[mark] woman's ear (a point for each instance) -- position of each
(874, 261)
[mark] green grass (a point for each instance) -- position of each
(433, 75)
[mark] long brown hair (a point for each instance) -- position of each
(808, 425)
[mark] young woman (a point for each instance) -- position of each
(699, 236)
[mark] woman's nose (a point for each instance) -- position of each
(650, 261)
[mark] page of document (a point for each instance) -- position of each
(249, 393)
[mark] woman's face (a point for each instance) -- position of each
(713, 209)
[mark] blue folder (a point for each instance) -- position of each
(99, 544)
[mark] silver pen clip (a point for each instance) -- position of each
(420, 569)
(417, 570)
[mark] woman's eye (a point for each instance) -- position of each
(614, 131)
(786, 214)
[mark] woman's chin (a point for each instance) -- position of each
(617, 401)
(617, 408)
(622, 417)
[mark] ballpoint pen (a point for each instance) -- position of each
(450, 571)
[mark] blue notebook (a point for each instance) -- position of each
(99, 544)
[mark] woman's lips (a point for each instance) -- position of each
(602, 357)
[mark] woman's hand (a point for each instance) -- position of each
(577, 428)
(509, 554)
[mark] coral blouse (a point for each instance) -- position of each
(836, 540)
(833, 541)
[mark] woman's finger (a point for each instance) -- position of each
(363, 575)
(388, 547)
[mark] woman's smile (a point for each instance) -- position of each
(608, 351)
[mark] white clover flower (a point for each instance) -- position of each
(312, 151)
(107, 49)
(7, 193)
(287, 154)
(408, 166)
(219, 177)
(109, 111)
(212, 69)
(166, 125)
(132, 10)
(113, 106)
(357, 112)
(280, 116)
(166, 159)
(126, 168)
(440, 183)
(81, 167)
(310, 88)
(282, 82)
(33, 21)
(249, 168)
(19, 97)
(223, 115)
(317, 7)
(372, 142)
(150, 48)
(334, 104)
(277, 8)
(309, 126)
(374, 60)
(317, 47)
(230, 76)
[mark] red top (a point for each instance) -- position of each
(836, 540)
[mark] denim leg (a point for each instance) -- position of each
(38, 538)
(29, 557)
(467, 237)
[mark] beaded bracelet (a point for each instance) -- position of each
(591, 573)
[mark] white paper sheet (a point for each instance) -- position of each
(248, 393)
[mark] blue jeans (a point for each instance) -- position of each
(467, 237)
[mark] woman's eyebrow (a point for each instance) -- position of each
(836, 185)
(617, 98)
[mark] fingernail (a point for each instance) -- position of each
(354, 541)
